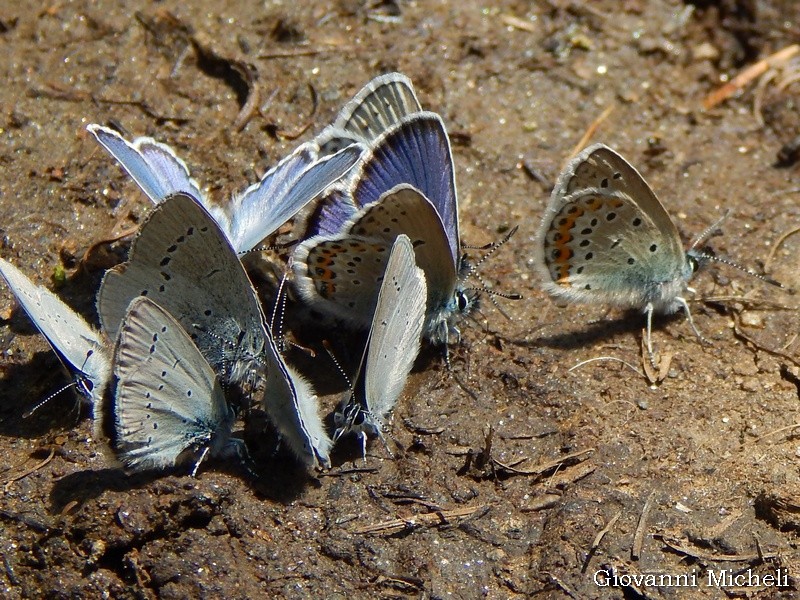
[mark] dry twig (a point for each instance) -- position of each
(638, 537)
(432, 519)
(680, 547)
(590, 131)
(33, 469)
(749, 74)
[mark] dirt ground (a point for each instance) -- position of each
(513, 476)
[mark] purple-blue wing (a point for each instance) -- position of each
(154, 166)
(294, 182)
(331, 213)
(417, 152)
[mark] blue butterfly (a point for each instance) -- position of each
(250, 216)
(404, 185)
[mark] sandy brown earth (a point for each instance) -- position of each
(513, 476)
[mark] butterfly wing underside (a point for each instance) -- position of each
(379, 105)
(344, 272)
(292, 406)
(606, 237)
(168, 399)
(394, 338)
(183, 261)
(70, 336)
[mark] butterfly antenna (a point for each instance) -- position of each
(382, 438)
(492, 294)
(709, 231)
(730, 263)
(279, 309)
(270, 248)
(30, 412)
(491, 249)
(473, 270)
(338, 365)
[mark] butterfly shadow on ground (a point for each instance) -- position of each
(87, 485)
(82, 486)
(632, 322)
(25, 385)
(277, 474)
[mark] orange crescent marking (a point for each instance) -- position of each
(563, 253)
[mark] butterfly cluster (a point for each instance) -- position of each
(184, 342)
(184, 345)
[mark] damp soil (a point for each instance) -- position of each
(523, 470)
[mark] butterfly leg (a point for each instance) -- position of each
(363, 437)
(238, 447)
(386, 445)
(689, 318)
(203, 455)
(648, 336)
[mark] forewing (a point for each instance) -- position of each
(152, 165)
(394, 339)
(599, 167)
(183, 261)
(67, 332)
(283, 191)
(602, 246)
(168, 398)
(380, 104)
(416, 152)
(331, 213)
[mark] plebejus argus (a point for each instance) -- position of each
(84, 352)
(250, 216)
(606, 239)
(405, 185)
(168, 405)
(183, 261)
(392, 347)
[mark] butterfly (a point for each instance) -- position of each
(392, 347)
(379, 105)
(84, 351)
(254, 214)
(168, 404)
(404, 185)
(606, 239)
(182, 260)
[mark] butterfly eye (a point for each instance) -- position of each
(693, 263)
(463, 301)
